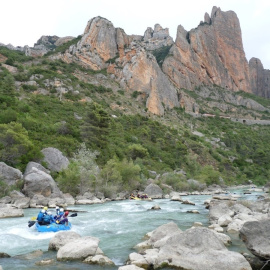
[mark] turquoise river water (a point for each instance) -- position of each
(119, 225)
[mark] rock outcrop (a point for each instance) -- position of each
(259, 78)
(210, 54)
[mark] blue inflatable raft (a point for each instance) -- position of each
(53, 227)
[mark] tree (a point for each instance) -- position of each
(15, 145)
(88, 168)
(137, 151)
(95, 129)
(69, 179)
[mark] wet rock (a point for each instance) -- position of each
(62, 238)
(193, 212)
(4, 255)
(98, 259)
(45, 262)
(188, 202)
(155, 207)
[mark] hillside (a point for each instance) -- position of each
(141, 122)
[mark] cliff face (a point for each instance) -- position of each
(126, 57)
(210, 54)
(259, 78)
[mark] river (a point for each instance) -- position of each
(119, 225)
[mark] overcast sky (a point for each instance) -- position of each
(23, 22)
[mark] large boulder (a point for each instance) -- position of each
(9, 175)
(154, 191)
(62, 238)
(218, 209)
(194, 249)
(256, 235)
(39, 182)
(7, 211)
(55, 159)
(78, 249)
(160, 235)
(31, 165)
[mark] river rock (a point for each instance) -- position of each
(224, 238)
(9, 175)
(193, 249)
(218, 209)
(256, 235)
(78, 249)
(4, 255)
(155, 207)
(45, 262)
(7, 211)
(98, 259)
(62, 238)
(39, 182)
(130, 267)
(188, 202)
(55, 159)
(160, 235)
(224, 220)
(154, 191)
(235, 226)
(175, 196)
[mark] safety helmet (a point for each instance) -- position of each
(57, 207)
(49, 213)
(45, 208)
(61, 209)
(42, 211)
(66, 213)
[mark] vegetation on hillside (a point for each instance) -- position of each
(111, 149)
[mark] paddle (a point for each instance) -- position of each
(32, 222)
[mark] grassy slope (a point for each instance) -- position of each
(168, 140)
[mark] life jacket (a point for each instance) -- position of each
(40, 216)
(47, 218)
